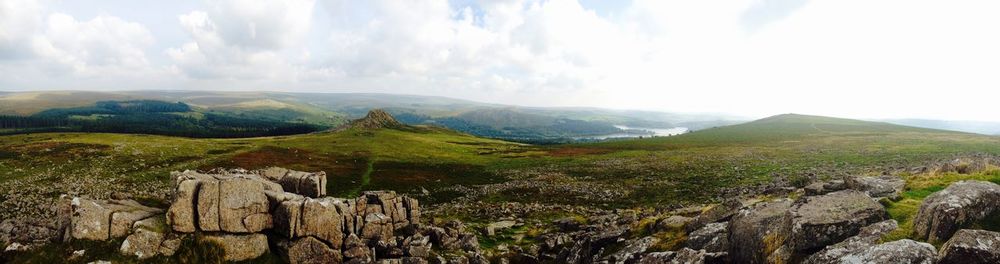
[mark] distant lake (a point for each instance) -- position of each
(640, 132)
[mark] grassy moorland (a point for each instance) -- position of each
(691, 169)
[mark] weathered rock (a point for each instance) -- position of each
(492, 228)
(101, 220)
(304, 183)
(717, 213)
(820, 188)
(208, 205)
(880, 186)
(181, 214)
(355, 249)
(897, 252)
(321, 219)
(632, 250)
(713, 237)
(969, 246)
(960, 205)
(145, 242)
(757, 232)
(240, 247)
(418, 246)
(657, 257)
(308, 250)
(818, 221)
(682, 256)
(243, 207)
(867, 237)
(673, 222)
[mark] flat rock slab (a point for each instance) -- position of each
(960, 205)
(878, 186)
(103, 220)
(897, 252)
(971, 247)
(867, 237)
(818, 221)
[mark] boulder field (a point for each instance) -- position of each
(247, 214)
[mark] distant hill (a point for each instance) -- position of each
(985, 128)
(787, 128)
(526, 124)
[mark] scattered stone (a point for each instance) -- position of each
(960, 205)
(491, 228)
(632, 250)
(969, 246)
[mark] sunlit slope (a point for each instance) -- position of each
(101, 164)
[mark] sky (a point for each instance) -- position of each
(846, 58)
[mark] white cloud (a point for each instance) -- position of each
(242, 39)
(853, 58)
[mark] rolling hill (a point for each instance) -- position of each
(528, 124)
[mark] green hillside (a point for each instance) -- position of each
(693, 168)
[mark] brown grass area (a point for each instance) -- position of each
(577, 151)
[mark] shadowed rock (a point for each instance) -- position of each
(867, 237)
(971, 247)
(960, 205)
(239, 247)
(755, 233)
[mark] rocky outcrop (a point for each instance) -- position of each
(960, 205)
(867, 237)
(878, 186)
(901, 251)
(150, 238)
(969, 246)
(375, 119)
(755, 233)
(632, 250)
(234, 203)
(818, 221)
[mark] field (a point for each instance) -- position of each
(668, 171)
(460, 176)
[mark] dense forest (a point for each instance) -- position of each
(150, 117)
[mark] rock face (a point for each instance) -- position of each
(960, 205)
(713, 237)
(233, 202)
(901, 251)
(147, 239)
(971, 247)
(880, 186)
(311, 185)
(867, 237)
(755, 233)
(820, 188)
(239, 247)
(817, 221)
(103, 220)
